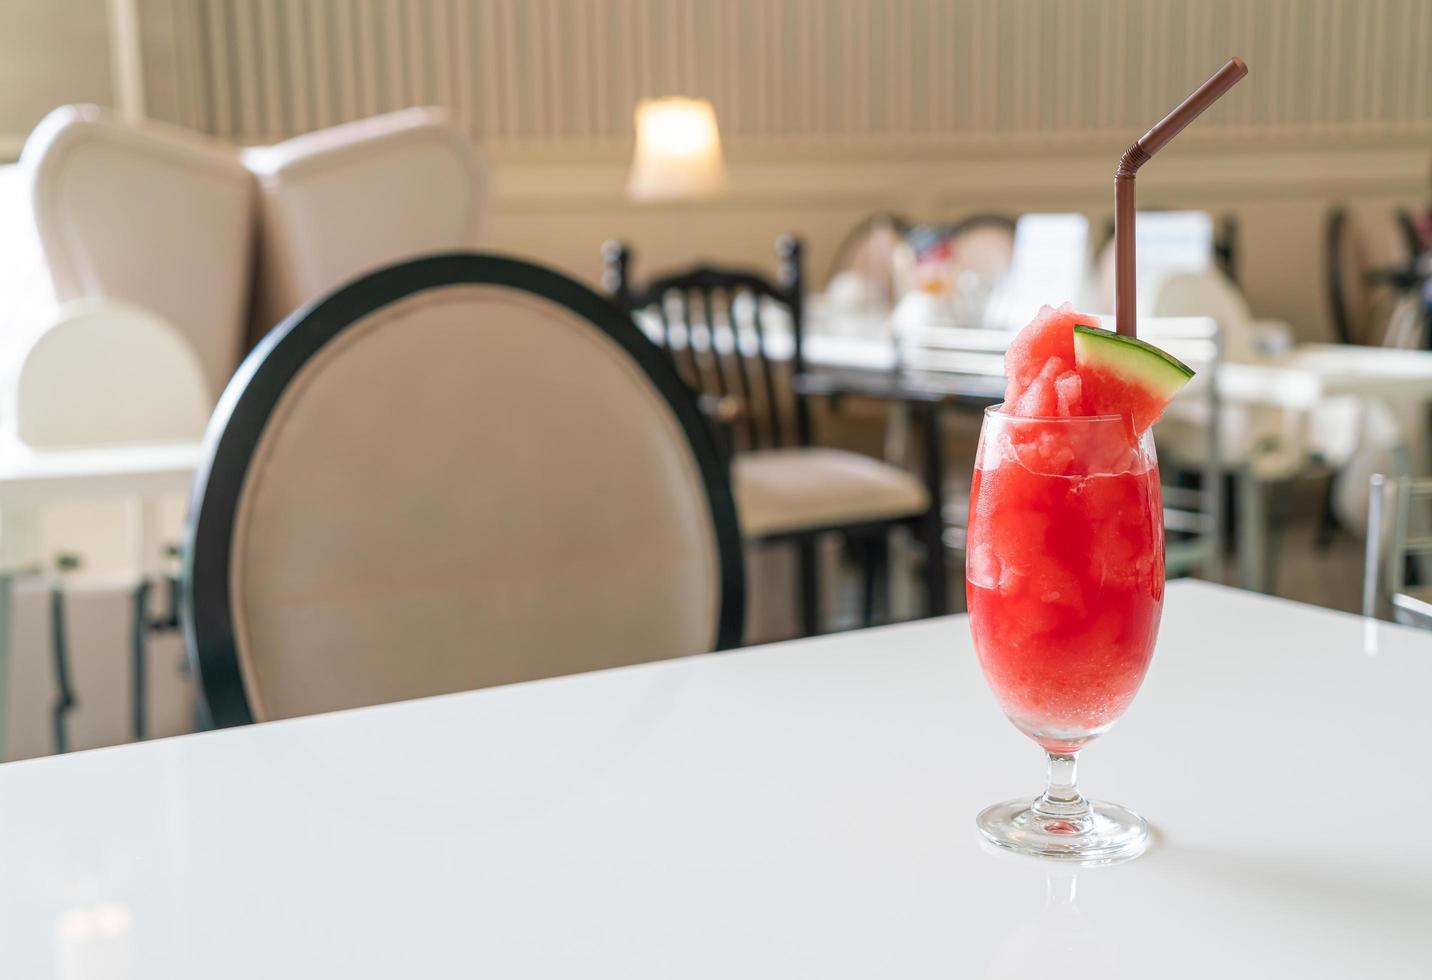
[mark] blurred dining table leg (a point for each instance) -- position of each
(1253, 534)
(138, 664)
(905, 603)
(897, 433)
(932, 529)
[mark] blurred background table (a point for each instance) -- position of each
(1296, 380)
(31, 482)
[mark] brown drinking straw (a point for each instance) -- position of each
(1135, 157)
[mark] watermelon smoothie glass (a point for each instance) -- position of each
(1065, 584)
(1065, 563)
(1066, 571)
(1065, 559)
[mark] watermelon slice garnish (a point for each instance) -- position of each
(1125, 376)
(1062, 365)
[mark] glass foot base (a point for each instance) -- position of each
(1101, 834)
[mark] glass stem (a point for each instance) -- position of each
(1061, 799)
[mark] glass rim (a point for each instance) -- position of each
(998, 410)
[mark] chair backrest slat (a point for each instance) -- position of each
(694, 305)
(750, 423)
(695, 343)
(775, 418)
(686, 365)
(666, 343)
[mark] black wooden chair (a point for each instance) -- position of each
(712, 321)
(456, 472)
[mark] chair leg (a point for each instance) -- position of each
(64, 701)
(931, 529)
(139, 657)
(1328, 523)
(809, 586)
(875, 563)
(1258, 537)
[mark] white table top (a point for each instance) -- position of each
(799, 810)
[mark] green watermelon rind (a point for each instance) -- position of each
(1130, 358)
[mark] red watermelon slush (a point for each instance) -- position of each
(1065, 566)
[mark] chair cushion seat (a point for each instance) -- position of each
(783, 490)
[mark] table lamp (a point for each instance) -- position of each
(678, 151)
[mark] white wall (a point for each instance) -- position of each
(51, 52)
(830, 109)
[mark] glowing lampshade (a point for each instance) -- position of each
(678, 151)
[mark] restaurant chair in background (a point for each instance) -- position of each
(1171, 243)
(1370, 303)
(1049, 259)
(1392, 542)
(145, 233)
(862, 274)
(716, 326)
(982, 251)
(339, 202)
(151, 215)
(946, 274)
(460, 471)
(1223, 240)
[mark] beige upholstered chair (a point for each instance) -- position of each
(339, 202)
(151, 215)
(456, 472)
(712, 326)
